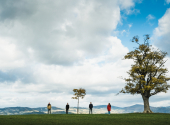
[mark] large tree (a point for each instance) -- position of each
(79, 93)
(147, 75)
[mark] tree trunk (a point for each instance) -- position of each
(146, 104)
(78, 106)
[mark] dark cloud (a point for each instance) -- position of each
(22, 74)
(54, 33)
(18, 9)
(7, 77)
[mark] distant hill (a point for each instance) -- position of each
(137, 108)
(26, 110)
(105, 106)
(80, 107)
(100, 109)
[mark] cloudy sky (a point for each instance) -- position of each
(50, 47)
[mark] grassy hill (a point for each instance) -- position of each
(84, 119)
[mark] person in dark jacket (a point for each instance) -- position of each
(90, 107)
(67, 108)
(109, 108)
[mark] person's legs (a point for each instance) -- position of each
(109, 112)
(50, 111)
(90, 111)
(66, 111)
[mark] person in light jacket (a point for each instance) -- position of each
(67, 108)
(109, 108)
(49, 108)
(90, 107)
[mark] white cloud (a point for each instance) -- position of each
(150, 17)
(59, 45)
(161, 33)
(56, 31)
(51, 83)
(130, 25)
(167, 1)
(126, 3)
(163, 25)
(132, 11)
(9, 55)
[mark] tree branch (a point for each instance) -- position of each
(158, 69)
(154, 93)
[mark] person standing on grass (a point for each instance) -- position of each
(67, 108)
(49, 108)
(109, 108)
(90, 107)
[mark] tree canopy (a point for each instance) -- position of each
(79, 93)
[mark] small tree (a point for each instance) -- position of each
(147, 74)
(79, 93)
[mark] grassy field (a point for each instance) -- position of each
(84, 119)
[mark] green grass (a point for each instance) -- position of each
(86, 119)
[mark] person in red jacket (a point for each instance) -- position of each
(109, 108)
